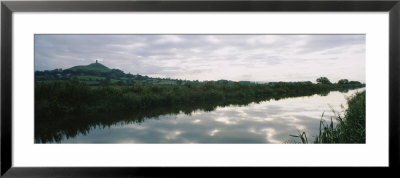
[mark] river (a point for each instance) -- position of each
(265, 122)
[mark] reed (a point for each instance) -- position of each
(349, 127)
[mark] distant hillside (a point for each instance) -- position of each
(94, 67)
(97, 74)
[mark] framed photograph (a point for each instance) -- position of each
(141, 88)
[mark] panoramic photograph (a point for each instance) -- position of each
(199, 89)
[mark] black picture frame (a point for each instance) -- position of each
(8, 7)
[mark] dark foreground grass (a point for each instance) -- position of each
(350, 127)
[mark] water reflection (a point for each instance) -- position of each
(264, 122)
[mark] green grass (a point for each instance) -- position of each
(349, 128)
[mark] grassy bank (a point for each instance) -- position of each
(60, 98)
(349, 128)
(70, 108)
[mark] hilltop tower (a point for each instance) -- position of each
(96, 61)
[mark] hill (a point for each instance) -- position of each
(94, 67)
(97, 74)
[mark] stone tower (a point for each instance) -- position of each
(96, 61)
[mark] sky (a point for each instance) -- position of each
(261, 58)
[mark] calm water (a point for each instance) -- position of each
(266, 122)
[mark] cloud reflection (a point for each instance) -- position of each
(266, 122)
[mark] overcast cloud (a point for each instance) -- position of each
(211, 57)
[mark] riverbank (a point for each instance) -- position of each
(266, 122)
(349, 128)
(70, 108)
(54, 99)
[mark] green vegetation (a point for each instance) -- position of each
(323, 80)
(94, 67)
(56, 98)
(343, 81)
(302, 136)
(97, 74)
(68, 102)
(70, 108)
(350, 128)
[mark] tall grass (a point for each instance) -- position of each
(73, 107)
(54, 99)
(302, 136)
(349, 128)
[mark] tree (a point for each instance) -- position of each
(323, 80)
(355, 82)
(343, 81)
